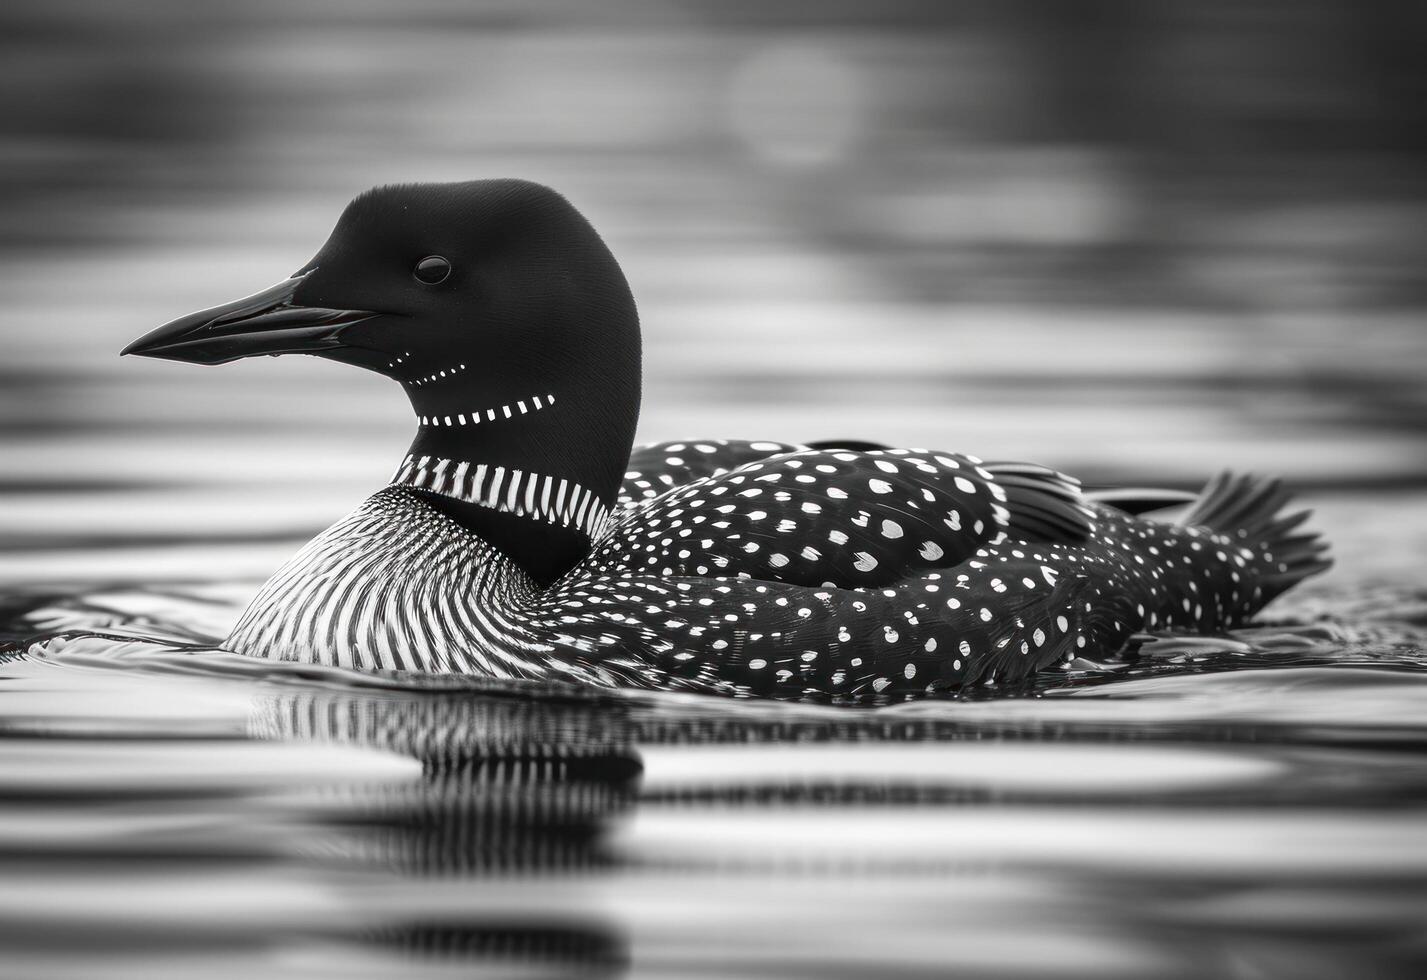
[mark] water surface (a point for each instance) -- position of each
(1249, 805)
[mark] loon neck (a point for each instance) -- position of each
(540, 497)
(532, 472)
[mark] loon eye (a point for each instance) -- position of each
(432, 269)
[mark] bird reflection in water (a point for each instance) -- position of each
(509, 786)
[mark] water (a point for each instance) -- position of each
(1241, 806)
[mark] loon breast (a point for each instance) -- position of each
(397, 585)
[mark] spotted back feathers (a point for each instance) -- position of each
(833, 517)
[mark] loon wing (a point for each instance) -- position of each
(851, 519)
(744, 637)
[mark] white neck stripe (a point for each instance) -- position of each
(523, 407)
(542, 498)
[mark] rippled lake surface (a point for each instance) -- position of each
(1242, 806)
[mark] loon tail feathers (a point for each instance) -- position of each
(1044, 505)
(1248, 508)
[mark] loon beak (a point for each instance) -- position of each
(263, 323)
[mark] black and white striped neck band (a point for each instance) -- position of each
(503, 488)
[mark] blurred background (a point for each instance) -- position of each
(1138, 241)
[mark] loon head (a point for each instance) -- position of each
(510, 325)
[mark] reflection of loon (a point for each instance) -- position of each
(507, 784)
(512, 542)
(510, 787)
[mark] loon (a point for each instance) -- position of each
(523, 537)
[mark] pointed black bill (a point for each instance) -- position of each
(263, 323)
